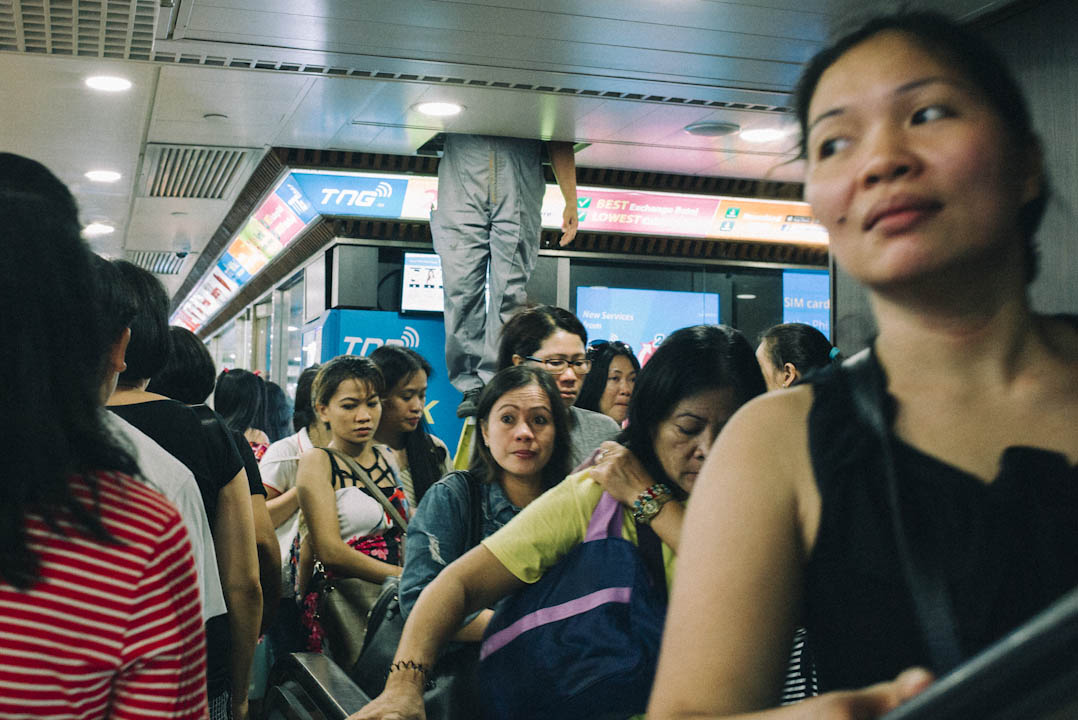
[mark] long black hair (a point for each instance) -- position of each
(689, 361)
(425, 459)
(50, 400)
(602, 353)
(303, 414)
(511, 378)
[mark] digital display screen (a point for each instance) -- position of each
(421, 283)
(806, 298)
(642, 318)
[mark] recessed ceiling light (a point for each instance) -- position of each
(746, 296)
(104, 176)
(108, 83)
(762, 135)
(96, 229)
(712, 129)
(439, 109)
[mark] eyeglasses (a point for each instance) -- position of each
(556, 366)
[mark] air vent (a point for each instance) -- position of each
(121, 29)
(189, 171)
(157, 261)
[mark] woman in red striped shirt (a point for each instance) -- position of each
(99, 607)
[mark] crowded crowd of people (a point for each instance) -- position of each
(154, 542)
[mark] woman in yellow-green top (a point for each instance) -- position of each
(696, 380)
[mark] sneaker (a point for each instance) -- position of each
(470, 404)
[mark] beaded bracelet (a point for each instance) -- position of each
(428, 683)
(648, 503)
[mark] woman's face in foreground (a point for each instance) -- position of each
(682, 440)
(909, 168)
(520, 431)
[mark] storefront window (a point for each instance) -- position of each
(292, 301)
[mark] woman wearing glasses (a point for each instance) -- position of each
(553, 339)
(609, 386)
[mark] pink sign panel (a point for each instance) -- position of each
(279, 219)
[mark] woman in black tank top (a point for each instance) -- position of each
(922, 164)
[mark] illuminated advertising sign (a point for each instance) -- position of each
(353, 194)
(302, 196)
(806, 298)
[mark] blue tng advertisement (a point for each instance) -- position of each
(330, 194)
(806, 298)
(642, 318)
(361, 332)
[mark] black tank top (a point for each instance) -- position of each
(1008, 548)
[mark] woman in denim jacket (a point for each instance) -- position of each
(522, 450)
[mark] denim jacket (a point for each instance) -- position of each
(439, 532)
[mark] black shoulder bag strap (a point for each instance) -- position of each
(927, 582)
(475, 508)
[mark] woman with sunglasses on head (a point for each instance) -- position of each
(609, 385)
(924, 168)
(685, 394)
(553, 340)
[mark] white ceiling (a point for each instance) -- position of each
(624, 75)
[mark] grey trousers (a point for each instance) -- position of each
(490, 194)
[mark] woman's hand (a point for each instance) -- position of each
(867, 703)
(620, 473)
(399, 701)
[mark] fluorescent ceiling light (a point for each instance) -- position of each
(762, 135)
(104, 176)
(96, 229)
(712, 129)
(746, 296)
(439, 109)
(108, 83)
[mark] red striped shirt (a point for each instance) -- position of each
(110, 630)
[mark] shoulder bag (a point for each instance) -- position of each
(581, 643)
(347, 602)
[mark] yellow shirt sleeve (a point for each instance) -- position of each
(549, 527)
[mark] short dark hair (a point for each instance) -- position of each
(525, 332)
(801, 345)
(239, 398)
(511, 378)
(342, 368)
(50, 400)
(303, 411)
(425, 459)
(150, 345)
(689, 361)
(189, 374)
(601, 354)
(116, 306)
(971, 55)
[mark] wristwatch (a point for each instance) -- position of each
(648, 503)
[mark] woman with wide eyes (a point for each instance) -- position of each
(342, 526)
(609, 385)
(520, 453)
(923, 167)
(692, 384)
